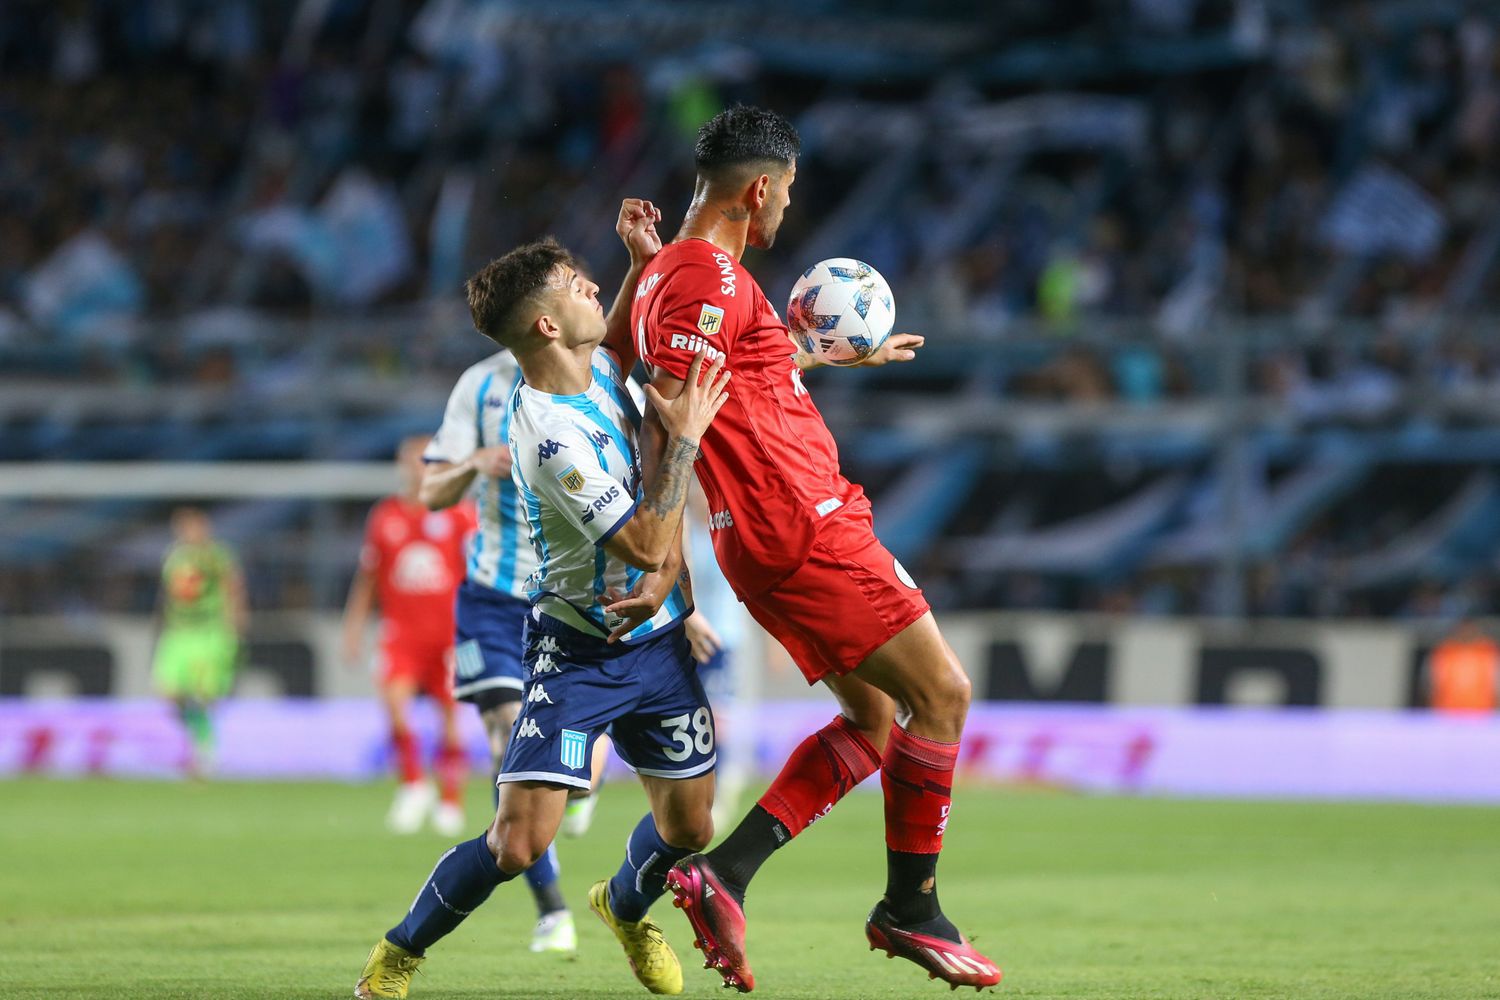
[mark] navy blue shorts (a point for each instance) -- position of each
(646, 695)
(487, 644)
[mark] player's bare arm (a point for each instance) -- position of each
(636, 227)
(357, 611)
(648, 538)
(651, 591)
(445, 483)
(897, 347)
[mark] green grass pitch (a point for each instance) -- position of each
(238, 891)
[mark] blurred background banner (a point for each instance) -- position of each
(1261, 753)
(1206, 415)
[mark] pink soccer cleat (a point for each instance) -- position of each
(954, 962)
(717, 918)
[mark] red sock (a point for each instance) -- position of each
(819, 773)
(917, 778)
(407, 760)
(450, 770)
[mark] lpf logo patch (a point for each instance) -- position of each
(710, 319)
(571, 479)
(574, 748)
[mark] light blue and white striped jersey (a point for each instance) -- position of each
(478, 416)
(577, 467)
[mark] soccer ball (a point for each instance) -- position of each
(841, 311)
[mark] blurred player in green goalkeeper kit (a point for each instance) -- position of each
(203, 615)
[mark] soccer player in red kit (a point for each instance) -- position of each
(795, 539)
(410, 565)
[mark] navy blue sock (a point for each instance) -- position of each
(542, 877)
(463, 878)
(643, 877)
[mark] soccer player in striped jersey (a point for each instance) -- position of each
(605, 646)
(469, 455)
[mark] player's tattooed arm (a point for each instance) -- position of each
(645, 540)
(636, 227)
(669, 491)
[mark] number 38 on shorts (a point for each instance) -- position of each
(690, 733)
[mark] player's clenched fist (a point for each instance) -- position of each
(704, 392)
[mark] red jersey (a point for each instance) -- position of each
(769, 466)
(417, 556)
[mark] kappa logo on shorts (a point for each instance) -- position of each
(539, 693)
(710, 320)
(544, 664)
(574, 748)
(548, 644)
(528, 728)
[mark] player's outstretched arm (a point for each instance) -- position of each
(897, 347)
(637, 228)
(645, 541)
(445, 483)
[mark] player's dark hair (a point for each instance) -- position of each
(745, 136)
(500, 290)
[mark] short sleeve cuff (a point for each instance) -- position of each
(617, 525)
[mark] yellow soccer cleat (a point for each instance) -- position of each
(651, 958)
(388, 973)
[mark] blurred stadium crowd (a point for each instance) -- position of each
(1210, 314)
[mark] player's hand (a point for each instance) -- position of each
(704, 392)
(637, 228)
(897, 347)
(640, 605)
(493, 462)
(701, 637)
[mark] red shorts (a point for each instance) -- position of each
(847, 600)
(426, 666)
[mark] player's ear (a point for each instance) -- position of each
(547, 327)
(760, 191)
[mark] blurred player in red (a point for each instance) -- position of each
(410, 565)
(796, 541)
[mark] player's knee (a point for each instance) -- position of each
(517, 850)
(944, 694)
(690, 833)
(873, 720)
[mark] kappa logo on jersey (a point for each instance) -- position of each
(719, 520)
(571, 479)
(528, 728)
(547, 449)
(574, 748)
(600, 438)
(644, 288)
(539, 693)
(695, 344)
(544, 664)
(710, 319)
(726, 274)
